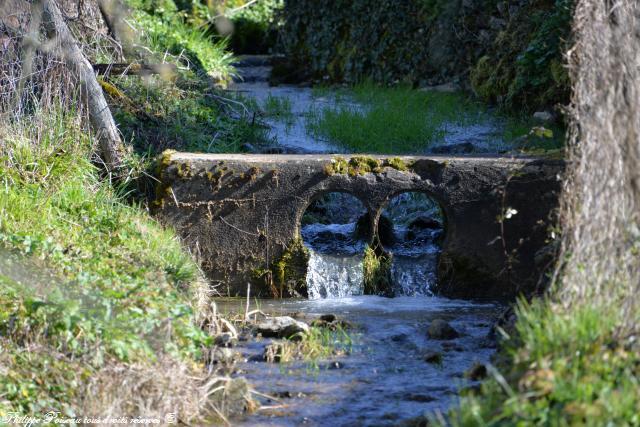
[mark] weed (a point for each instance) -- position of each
(391, 120)
(562, 367)
(401, 120)
(313, 346)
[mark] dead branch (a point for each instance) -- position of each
(101, 120)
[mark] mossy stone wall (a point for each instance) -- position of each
(512, 50)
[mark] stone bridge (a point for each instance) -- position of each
(240, 213)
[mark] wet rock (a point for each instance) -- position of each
(399, 337)
(506, 324)
(328, 317)
(234, 395)
(543, 116)
(414, 397)
(281, 327)
(225, 340)
(420, 421)
(440, 329)
(433, 357)
(276, 352)
(477, 372)
(452, 346)
(335, 365)
(330, 321)
(425, 222)
(459, 148)
(223, 357)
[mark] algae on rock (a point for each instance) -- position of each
(377, 273)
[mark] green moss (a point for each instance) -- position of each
(184, 170)
(377, 273)
(162, 189)
(361, 165)
(337, 166)
(290, 271)
(397, 163)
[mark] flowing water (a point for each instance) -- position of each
(291, 134)
(385, 376)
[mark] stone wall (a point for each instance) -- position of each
(513, 50)
(240, 213)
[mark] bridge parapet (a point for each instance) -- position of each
(239, 213)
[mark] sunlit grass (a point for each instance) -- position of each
(391, 120)
(401, 120)
(563, 368)
(118, 281)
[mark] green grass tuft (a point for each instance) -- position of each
(395, 120)
(562, 368)
(119, 287)
(401, 120)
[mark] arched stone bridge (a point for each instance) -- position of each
(239, 213)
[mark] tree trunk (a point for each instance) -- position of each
(101, 120)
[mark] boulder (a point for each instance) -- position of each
(281, 327)
(433, 357)
(477, 372)
(225, 340)
(440, 329)
(459, 148)
(543, 116)
(424, 222)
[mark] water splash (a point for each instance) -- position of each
(330, 276)
(413, 276)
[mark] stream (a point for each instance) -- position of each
(394, 370)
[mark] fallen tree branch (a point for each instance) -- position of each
(102, 123)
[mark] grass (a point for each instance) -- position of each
(279, 108)
(166, 31)
(94, 282)
(317, 344)
(185, 115)
(182, 110)
(401, 120)
(561, 367)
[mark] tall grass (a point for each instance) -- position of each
(122, 288)
(391, 120)
(401, 120)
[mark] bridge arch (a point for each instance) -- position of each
(242, 212)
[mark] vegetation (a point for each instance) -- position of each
(514, 54)
(166, 29)
(377, 273)
(278, 108)
(181, 109)
(573, 358)
(318, 344)
(561, 367)
(118, 289)
(254, 26)
(524, 65)
(405, 121)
